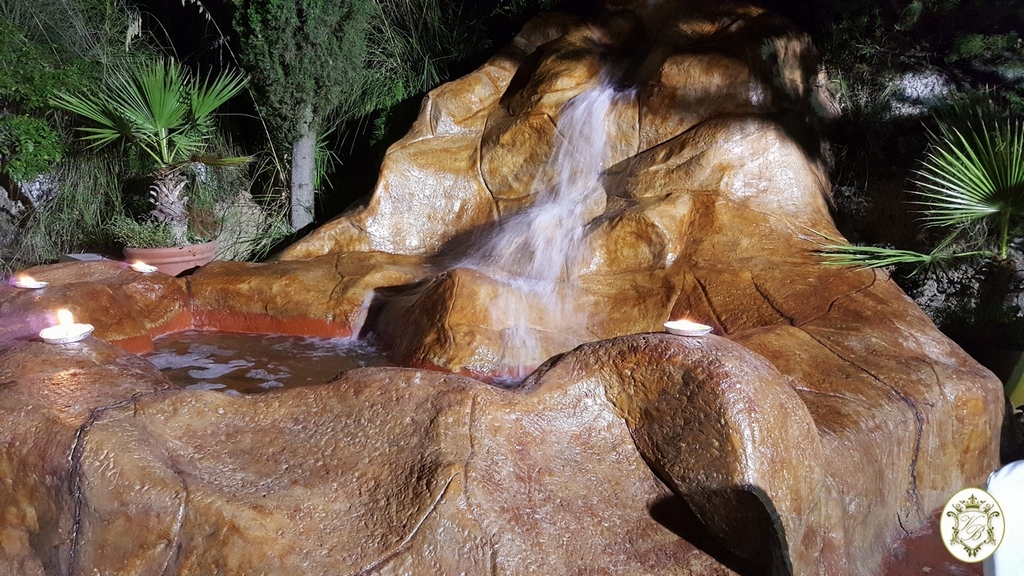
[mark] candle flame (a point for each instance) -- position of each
(687, 327)
(65, 317)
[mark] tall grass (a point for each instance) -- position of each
(56, 45)
(77, 216)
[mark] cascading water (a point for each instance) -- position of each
(535, 251)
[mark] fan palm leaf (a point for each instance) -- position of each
(217, 161)
(205, 97)
(870, 257)
(110, 126)
(157, 107)
(974, 175)
(971, 182)
(151, 100)
(165, 113)
(836, 252)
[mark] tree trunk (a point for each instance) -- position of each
(170, 204)
(303, 166)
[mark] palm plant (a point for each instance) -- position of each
(970, 183)
(162, 112)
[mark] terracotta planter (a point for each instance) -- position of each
(174, 260)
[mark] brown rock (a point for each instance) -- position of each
(455, 322)
(392, 468)
(835, 420)
(714, 220)
(731, 437)
(327, 296)
(47, 392)
(671, 209)
(676, 213)
(564, 68)
(466, 322)
(124, 306)
(468, 478)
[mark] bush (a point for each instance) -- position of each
(974, 46)
(28, 147)
(76, 218)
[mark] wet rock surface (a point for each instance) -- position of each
(124, 306)
(826, 420)
(329, 296)
(471, 479)
(47, 393)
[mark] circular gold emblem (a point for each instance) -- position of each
(972, 525)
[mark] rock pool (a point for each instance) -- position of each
(252, 363)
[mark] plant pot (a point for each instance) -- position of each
(173, 260)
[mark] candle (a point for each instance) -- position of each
(140, 266)
(66, 331)
(28, 282)
(686, 328)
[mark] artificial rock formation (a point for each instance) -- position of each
(123, 306)
(718, 137)
(825, 419)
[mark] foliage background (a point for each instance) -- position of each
(892, 64)
(46, 47)
(898, 67)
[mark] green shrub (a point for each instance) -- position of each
(982, 46)
(162, 113)
(134, 234)
(74, 220)
(47, 47)
(28, 147)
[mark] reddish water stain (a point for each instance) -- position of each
(922, 552)
(253, 363)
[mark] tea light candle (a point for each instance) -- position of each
(686, 328)
(28, 282)
(140, 266)
(65, 332)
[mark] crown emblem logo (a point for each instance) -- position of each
(972, 526)
(972, 503)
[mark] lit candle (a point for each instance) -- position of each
(66, 331)
(140, 266)
(25, 281)
(686, 328)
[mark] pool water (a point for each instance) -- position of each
(253, 363)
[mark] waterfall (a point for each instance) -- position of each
(534, 251)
